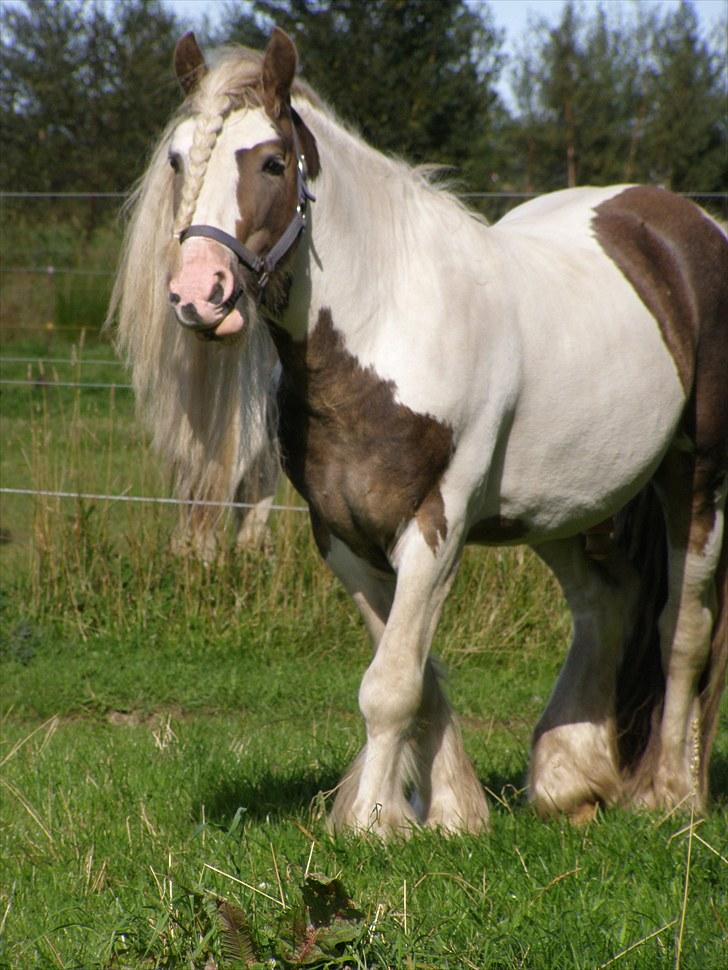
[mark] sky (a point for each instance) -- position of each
(510, 15)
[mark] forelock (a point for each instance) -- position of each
(234, 81)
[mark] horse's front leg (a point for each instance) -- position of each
(399, 693)
(445, 790)
(393, 688)
(255, 492)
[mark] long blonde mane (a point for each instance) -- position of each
(194, 397)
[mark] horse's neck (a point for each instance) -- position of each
(365, 204)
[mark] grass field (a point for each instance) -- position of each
(169, 733)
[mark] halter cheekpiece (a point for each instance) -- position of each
(263, 266)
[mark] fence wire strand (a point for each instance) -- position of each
(145, 499)
(79, 362)
(41, 383)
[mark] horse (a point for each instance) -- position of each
(556, 379)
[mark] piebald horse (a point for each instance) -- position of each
(558, 379)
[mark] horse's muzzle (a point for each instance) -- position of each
(204, 292)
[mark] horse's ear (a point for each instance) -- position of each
(279, 70)
(189, 62)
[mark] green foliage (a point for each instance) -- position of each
(605, 100)
(85, 87)
(417, 78)
(686, 127)
(599, 98)
(319, 925)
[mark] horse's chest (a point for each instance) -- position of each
(365, 463)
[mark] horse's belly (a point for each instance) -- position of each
(600, 398)
(579, 453)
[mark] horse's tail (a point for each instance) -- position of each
(640, 693)
(640, 690)
(206, 405)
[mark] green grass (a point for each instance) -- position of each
(169, 733)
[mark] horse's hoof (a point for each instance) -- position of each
(584, 814)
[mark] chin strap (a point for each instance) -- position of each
(263, 266)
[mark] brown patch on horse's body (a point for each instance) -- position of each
(366, 464)
(676, 259)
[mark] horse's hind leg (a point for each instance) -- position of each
(674, 769)
(574, 762)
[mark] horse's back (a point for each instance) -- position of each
(548, 213)
(621, 298)
(666, 251)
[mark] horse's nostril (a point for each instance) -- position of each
(174, 298)
(190, 317)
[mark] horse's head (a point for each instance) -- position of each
(240, 186)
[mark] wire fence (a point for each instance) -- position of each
(51, 269)
(51, 328)
(144, 499)
(47, 383)
(73, 362)
(39, 383)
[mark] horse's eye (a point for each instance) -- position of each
(274, 165)
(174, 161)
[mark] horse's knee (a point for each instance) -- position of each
(390, 696)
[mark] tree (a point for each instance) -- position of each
(82, 95)
(416, 76)
(685, 143)
(603, 100)
(578, 95)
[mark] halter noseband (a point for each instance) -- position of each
(263, 266)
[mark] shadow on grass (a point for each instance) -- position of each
(505, 792)
(719, 778)
(274, 796)
(270, 796)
